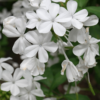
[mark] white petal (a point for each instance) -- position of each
(10, 31)
(94, 40)
(64, 65)
(77, 24)
(35, 71)
(59, 29)
(7, 67)
(31, 50)
(28, 63)
(14, 98)
(22, 26)
(81, 14)
(9, 20)
(38, 78)
(43, 55)
(38, 92)
(67, 24)
(93, 20)
(31, 15)
(6, 86)
(14, 90)
(45, 4)
(79, 49)
(89, 57)
(22, 83)
(20, 45)
(63, 17)
(95, 48)
(72, 6)
(43, 14)
(17, 74)
(0, 72)
(5, 59)
(54, 9)
(51, 47)
(73, 35)
(32, 36)
(45, 27)
(81, 36)
(32, 23)
(7, 76)
(47, 37)
(32, 97)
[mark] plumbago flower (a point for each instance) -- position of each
(51, 19)
(5, 66)
(72, 73)
(29, 93)
(33, 89)
(41, 43)
(76, 19)
(17, 31)
(34, 65)
(13, 82)
(88, 46)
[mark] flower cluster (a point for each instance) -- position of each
(35, 23)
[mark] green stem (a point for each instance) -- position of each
(69, 87)
(90, 86)
(76, 91)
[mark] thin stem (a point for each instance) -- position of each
(90, 86)
(63, 50)
(76, 91)
(69, 87)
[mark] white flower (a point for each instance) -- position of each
(72, 90)
(88, 47)
(4, 14)
(34, 20)
(34, 65)
(10, 31)
(72, 73)
(52, 98)
(5, 66)
(42, 42)
(30, 92)
(51, 19)
(13, 83)
(77, 18)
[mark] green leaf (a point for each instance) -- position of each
(48, 73)
(58, 79)
(94, 10)
(73, 97)
(82, 3)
